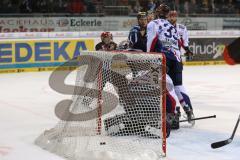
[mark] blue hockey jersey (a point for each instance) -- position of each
(138, 38)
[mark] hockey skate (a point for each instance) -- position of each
(189, 115)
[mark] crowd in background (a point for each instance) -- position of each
(118, 7)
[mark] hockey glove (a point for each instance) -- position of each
(188, 54)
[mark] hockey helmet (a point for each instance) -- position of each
(141, 15)
(106, 35)
(162, 11)
(142, 19)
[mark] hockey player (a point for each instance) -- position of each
(183, 33)
(162, 37)
(150, 16)
(107, 43)
(137, 35)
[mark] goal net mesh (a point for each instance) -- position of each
(118, 106)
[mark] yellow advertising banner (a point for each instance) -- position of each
(41, 53)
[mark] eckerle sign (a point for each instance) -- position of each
(85, 23)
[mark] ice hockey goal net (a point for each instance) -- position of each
(118, 106)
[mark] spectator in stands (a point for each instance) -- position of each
(205, 7)
(76, 6)
(193, 7)
(134, 7)
(238, 6)
(122, 2)
(26, 6)
(217, 7)
(230, 7)
(41, 6)
(181, 6)
(90, 7)
(147, 5)
(186, 7)
(144, 5)
(59, 6)
(176, 4)
(151, 5)
(106, 43)
(14, 5)
(224, 7)
(6, 6)
(96, 6)
(99, 5)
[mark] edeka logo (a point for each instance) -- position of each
(83, 23)
(42, 51)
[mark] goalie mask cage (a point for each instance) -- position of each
(118, 106)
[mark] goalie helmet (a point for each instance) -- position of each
(106, 37)
(106, 34)
(162, 11)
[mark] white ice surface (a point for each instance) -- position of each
(27, 109)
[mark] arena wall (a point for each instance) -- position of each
(43, 51)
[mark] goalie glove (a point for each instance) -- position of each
(188, 53)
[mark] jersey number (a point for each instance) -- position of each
(169, 32)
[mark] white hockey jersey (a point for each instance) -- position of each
(162, 34)
(183, 33)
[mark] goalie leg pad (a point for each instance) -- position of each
(121, 125)
(118, 125)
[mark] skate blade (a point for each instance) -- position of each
(187, 124)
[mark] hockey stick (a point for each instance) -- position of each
(227, 141)
(214, 116)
